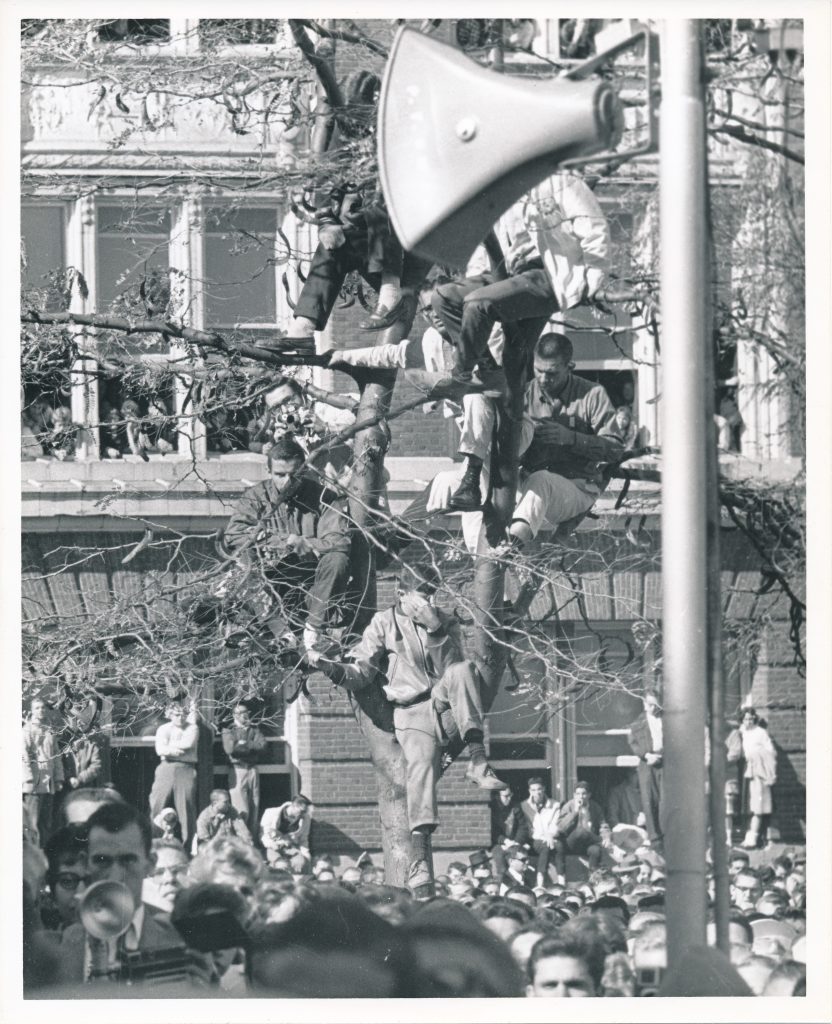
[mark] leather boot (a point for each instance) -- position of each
(468, 497)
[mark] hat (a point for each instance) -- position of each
(626, 865)
(628, 837)
(767, 927)
(479, 857)
(654, 900)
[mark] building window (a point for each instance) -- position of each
(240, 278)
(136, 31)
(44, 254)
(240, 31)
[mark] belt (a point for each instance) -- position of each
(410, 703)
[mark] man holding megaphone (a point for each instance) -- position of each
(113, 918)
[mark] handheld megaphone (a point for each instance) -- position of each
(459, 143)
(106, 910)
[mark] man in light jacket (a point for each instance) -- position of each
(43, 772)
(415, 652)
(558, 244)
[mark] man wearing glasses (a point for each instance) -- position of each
(119, 850)
(68, 874)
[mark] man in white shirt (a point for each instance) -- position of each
(647, 743)
(175, 778)
(541, 814)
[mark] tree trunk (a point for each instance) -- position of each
(373, 712)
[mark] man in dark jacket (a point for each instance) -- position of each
(300, 531)
(509, 828)
(243, 744)
(646, 742)
(578, 830)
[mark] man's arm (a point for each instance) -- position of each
(245, 524)
(590, 228)
(363, 662)
(332, 532)
(163, 740)
(203, 826)
(228, 741)
(93, 768)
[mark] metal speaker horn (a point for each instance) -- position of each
(459, 143)
(106, 910)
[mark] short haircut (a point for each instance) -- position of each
(580, 784)
(554, 346)
(458, 865)
(574, 946)
(215, 793)
(68, 843)
(502, 907)
(753, 872)
(285, 450)
(301, 799)
(115, 817)
(93, 794)
(536, 780)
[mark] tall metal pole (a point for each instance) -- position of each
(685, 347)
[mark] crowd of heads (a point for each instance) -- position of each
(335, 929)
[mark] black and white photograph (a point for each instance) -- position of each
(420, 474)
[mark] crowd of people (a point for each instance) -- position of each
(242, 917)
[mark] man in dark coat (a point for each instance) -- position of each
(646, 742)
(299, 529)
(578, 830)
(509, 828)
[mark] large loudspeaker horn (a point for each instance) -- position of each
(458, 143)
(106, 910)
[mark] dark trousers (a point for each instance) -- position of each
(175, 782)
(320, 583)
(330, 267)
(652, 798)
(581, 844)
(543, 854)
(470, 308)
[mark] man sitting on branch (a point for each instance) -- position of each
(299, 529)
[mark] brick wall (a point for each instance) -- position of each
(336, 774)
(779, 694)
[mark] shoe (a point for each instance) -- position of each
(381, 317)
(283, 346)
(451, 388)
(467, 497)
(418, 875)
(482, 775)
(489, 382)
